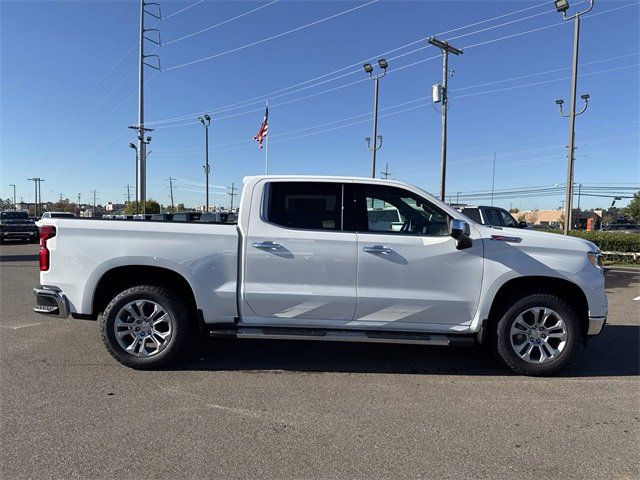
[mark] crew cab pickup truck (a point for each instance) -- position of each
(17, 226)
(306, 262)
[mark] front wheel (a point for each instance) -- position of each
(145, 327)
(538, 335)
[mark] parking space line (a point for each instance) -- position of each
(17, 327)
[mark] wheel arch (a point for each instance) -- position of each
(520, 287)
(120, 278)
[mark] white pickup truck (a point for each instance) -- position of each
(308, 261)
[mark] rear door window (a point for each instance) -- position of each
(305, 205)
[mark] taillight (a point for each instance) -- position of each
(46, 232)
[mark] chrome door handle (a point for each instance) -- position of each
(377, 249)
(267, 245)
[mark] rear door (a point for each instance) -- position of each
(300, 263)
(414, 277)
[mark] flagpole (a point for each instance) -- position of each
(266, 148)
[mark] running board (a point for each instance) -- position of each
(330, 335)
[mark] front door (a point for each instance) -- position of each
(300, 264)
(410, 274)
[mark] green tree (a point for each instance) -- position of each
(151, 207)
(63, 206)
(633, 209)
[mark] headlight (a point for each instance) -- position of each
(595, 258)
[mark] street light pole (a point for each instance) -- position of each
(563, 6)
(135, 147)
(206, 120)
(14, 196)
(368, 68)
(446, 50)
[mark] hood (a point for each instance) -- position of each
(532, 238)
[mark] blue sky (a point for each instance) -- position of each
(69, 91)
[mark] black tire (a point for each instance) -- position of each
(510, 357)
(176, 306)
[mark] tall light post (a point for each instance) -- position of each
(442, 95)
(562, 6)
(135, 147)
(14, 196)
(368, 68)
(205, 120)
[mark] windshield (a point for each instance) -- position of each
(62, 215)
(14, 216)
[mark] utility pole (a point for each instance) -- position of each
(493, 177)
(40, 180)
(61, 195)
(14, 196)
(368, 68)
(386, 172)
(141, 165)
(443, 96)
(579, 193)
(563, 6)
(206, 120)
(35, 195)
(93, 213)
(128, 187)
(232, 193)
(171, 194)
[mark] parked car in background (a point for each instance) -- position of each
(161, 217)
(622, 227)
(186, 217)
(17, 226)
(495, 216)
(385, 218)
(217, 217)
(57, 215)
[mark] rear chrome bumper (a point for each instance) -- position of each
(595, 325)
(50, 301)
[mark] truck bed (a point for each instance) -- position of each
(205, 254)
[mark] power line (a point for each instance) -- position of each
(278, 93)
(273, 37)
(260, 99)
(271, 94)
(219, 24)
(182, 10)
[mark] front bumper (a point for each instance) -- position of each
(595, 325)
(51, 301)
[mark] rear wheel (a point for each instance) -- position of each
(145, 327)
(538, 335)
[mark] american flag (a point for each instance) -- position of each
(264, 129)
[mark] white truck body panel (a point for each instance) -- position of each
(205, 255)
(322, 278)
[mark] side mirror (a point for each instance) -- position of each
(523, 225)
(461, 231)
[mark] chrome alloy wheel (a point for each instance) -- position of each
(538, 335)
(143, 328)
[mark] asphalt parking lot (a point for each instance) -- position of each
(270, 409)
